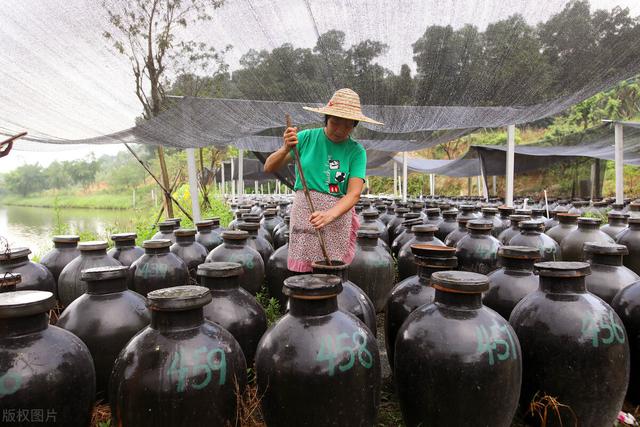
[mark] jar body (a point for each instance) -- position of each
(105, 323)
(630, 237)
(70, 285)
(445, 227)
(406, 260)
(478, 253)
(126, 255)
(549, 249)
(627, 305)
(434, 344)
(507, 288)
(153, 271)
(612, 230)
(209, 239)
(260, 244)
(606, 281)
(567, 337)
(372, 271)
(251, 261)
(50, 369)
(34, 276)
(572, 245)
(276, 272)
(192, 253)
(560, 231)
(58, 258)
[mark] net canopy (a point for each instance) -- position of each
(431, 70)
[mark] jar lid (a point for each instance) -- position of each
(605, 248)
(634, 221)
(248, 226)
(527, 212)
(424, 228)
(66, 238)
(411, 215)
(312, 286)
(10, 279)
(402, 210)
(206, 223)
(433, 251)
(617, 215)
(634, 206)
(517, 218)
(562, 269)
(443, 263)
(335, 265)
(123, 236)
(185, 232)
(589, 221)
(450, 214)
(567, 217)
(464, 282)
(167, 224)
(243, 211)
(369, 233)
(156, 244)
(235, 235)
(174, 220)
(411, 222)
(215, 219)
(270, 212)
(531, 225)
(463, 221)
(506, 209)
(104, 273)
(178, 298)
(490, 210)
(538, 211)
(467, 208)
(370, 214)
(94, 245)
(25, 303)
(480, 224)
(251, 218)
(519, 252)
(220, 269)
(13, 253)
(433, 211)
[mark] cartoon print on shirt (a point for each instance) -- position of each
(340, 176)
(334, 164)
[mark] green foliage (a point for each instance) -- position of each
(25, 179)
(270, 305)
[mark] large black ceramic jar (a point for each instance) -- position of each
(231, 307)
(569, 335)
(531, 234)
(627, 305)
(456, 235)
(433, 216)
(257, 241)
(35, 277)
(70, 283)
(105, 318)
(270, 221)
(513, 281)
(276, 271)
(513, 229)
(371, 220)
(182, 370)
(158, 268)
(405, 235)
(468, 212)
(490, 214)
(234, 248)
(457, 336)
(385, 214)
(65, 249)
(187, 249)
(588, 231)
(44, 370)
(416, 290)
(396, 221)
(352, 299)
(206, 236)
(261, 231)
(125, 249)
(630, 237)
(239, 214)
(448, 224)
(318, 365)
(608, 275)
(372, 268)
(566, 224)
(538, 214)
(478, 250)
(279, 233)
(505, 222)
(165, 231)
(617, 223)
(423, 234)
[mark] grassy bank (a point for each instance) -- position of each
(90, 201)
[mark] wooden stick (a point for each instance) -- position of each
(323, 247)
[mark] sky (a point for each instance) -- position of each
(59, 77)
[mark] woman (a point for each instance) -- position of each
(334, 166)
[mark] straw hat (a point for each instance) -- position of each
(344, 103)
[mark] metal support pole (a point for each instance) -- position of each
(404, 176)
(193, 183)
(255, 184)
(432, 185)
(395, 178)
(619, 159)
(224, 187)
(494, 186)
(240, 173)
(511, 144)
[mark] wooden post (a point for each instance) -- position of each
(168, 206)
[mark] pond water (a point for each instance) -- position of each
(34, 227)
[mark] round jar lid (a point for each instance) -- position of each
(508, 210)
(402, 210)
(123, 237)
(207, 223)
(156, 244)
(370, 214)
(490, 210)
(519, 252)
(617, 215)
(589, 221)
(215, 219)
(220, 269)
(527, 212)
(517, 218)
(605, 248)
(174, 220)
(467, 208)
(424, 228)
(248, 226)
(433, 251)
(411, 222)
(312, 286)
(251, 218)
(463, 282)
(178, 298)
(13, 253)
(450, 214)
(531, 225)
(270, 212)
(94, 245)
(538, 211)
(480, 224)
(104, 273)
(567, 218)
(368, 233)
(167, 225)
(433, 211)
(25, 303)
(185, 232)
(235, 235)
(442, 263)
(66, 238)
(634, 221)
(563, 269)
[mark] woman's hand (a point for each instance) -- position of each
(321, 218)
(290, 138)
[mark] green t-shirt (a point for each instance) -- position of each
(328, 165)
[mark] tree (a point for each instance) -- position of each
(26, 179)
(145, 31)
(58, 175)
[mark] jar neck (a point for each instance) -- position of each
(458, 300)
(106, 286)
(94, 253)
(125, 243)
(520, 265)
(562, 285)
(176, 320)
(16, 262)
(618, 222)
(479, 232)
(342, 273)
(185, 240)
(312, 307)
(425, 272)
(530, 232)
(606, 259)
(219, 283)
(588, 226)
(634, 226)
(205, 230)
(166, 230)
(65, 245)
(368, 242)
(17, 326)
(424, 236)
(234, 244)
(156, 251)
